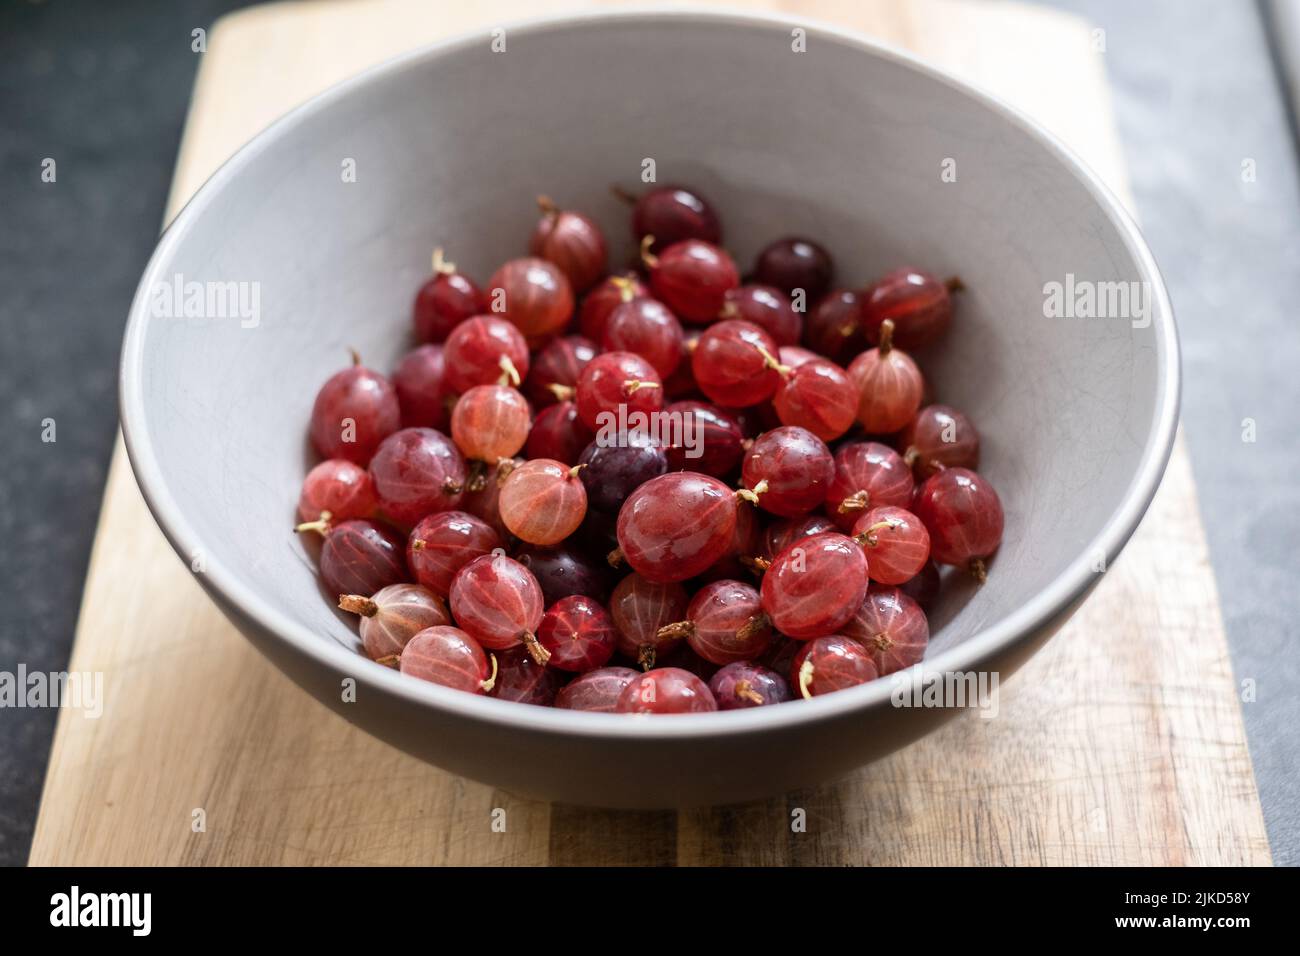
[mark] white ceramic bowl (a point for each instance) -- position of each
(843, 143)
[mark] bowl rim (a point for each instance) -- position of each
(970, 655)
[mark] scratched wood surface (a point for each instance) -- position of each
(1121, 742)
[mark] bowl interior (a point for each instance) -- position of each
(449, 148)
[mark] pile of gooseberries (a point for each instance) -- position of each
(503, 517)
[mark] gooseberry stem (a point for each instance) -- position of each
(867, 537)
(979, 570)
(771, 361)
(805, 677)
(547, 205)
(675, 631)
(535, 650)
(645, 657)
(615, 558)
(321, 525)
(649, 258)
(509, 374)
(886, 337)
(562, 393)
(633, 385)
(751, 494)
(954, 284)
(751, 627)
(626, 289)
(358, 604)
(854, 502)
(356, 356)
(745, 690)
(623, 195)
(440, 265)
(488, 684)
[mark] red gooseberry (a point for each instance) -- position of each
(867, 475)
(735, 364)
(917, 303)
(533, 295)
(813, 587)
(615, 381)
(490, 422)
(393, 615)
(444, 301)
(817, 395)
(558, 433)
(834, 326)
(450, 657)
(691, 277)
(891, 627)
(422, 390)
(596, 691)
(497, 601)
(831, 663)
(443, 543)
(673, 527)
(555, 369)
(579, 634)
(667, 690)
(639, 608)
(604, 298)
(338, 490)
(940, 437)
(543, 501)
(484, 350)
(522, 680)
(724, 623)
(896, 543)
(416, 472)
(355, 410)
(789, 469)
(571, 241)
(767, 307)
(745, 684)
(648, 328)
(889, 385)
(964, 516)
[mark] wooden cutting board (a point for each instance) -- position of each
(1121, 743)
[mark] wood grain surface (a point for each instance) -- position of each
(1120, 743)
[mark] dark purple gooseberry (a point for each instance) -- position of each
(794, 263)
(671, 214)
(614, 471)
(596, 691)
(564, 570)
(746, 684)
(359, 557)
(523, 680)
(834, 327)
(710, 441)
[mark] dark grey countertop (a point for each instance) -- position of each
(103, 88)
